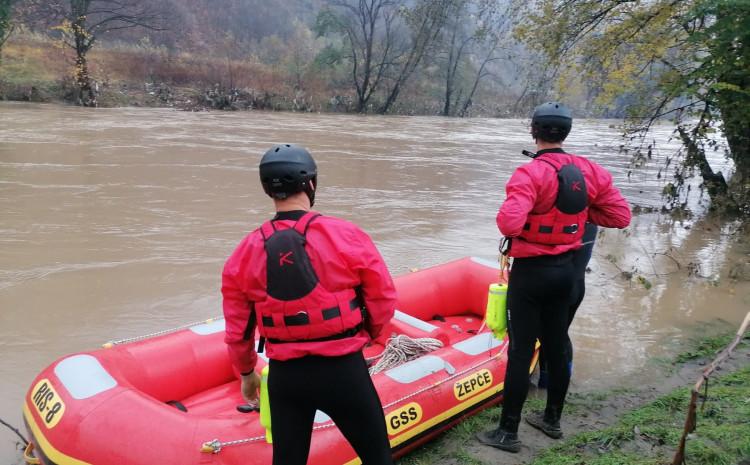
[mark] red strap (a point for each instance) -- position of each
(267, 230)
(549, 162)
(303, 223)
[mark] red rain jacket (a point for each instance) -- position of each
(533, 190)
(343, 257)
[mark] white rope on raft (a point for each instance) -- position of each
(110, 344)
(400, 349)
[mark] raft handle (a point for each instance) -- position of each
(28, 455)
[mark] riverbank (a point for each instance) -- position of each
(635, 424)
(37, 68)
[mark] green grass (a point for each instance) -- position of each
(645, 436)
(707, 347)
(649, 435)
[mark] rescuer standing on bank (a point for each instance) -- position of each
(318, 291)
(548, 202)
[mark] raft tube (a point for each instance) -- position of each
(172, 399)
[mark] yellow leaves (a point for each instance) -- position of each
(615, 45)
(570, 85)
(65, 27)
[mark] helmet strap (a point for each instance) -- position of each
(309, 190)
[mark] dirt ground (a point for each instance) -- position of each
(585, 412)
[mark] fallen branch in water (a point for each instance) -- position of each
(15, 430)
(692, 418)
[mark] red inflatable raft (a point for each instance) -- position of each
(123, 405)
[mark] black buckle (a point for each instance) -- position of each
(300, 319)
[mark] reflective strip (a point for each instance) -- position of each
(416, 369)
(321, 417)
(414, 322)
(477, 344)
(54, 455)
(83, 376)
(209, 328)
(485, 262)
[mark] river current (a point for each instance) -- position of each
(116, 223)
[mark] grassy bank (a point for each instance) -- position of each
(649, 435)
(38, 68)
(639, 425)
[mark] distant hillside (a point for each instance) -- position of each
(272, 54)
(200, 24)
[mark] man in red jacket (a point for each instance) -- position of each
(318, 290)
(548, 202)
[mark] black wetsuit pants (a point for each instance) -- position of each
(581, 259)
(342, 388)
(539, 293)
(577, 294)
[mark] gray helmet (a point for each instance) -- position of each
(551, 122)
(287, 169)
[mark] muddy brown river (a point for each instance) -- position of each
(116, 223)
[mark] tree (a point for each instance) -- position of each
(301, 52)
(83, 22)
(6, 27)
(384, 42)
(367, 28)
(425, 20)
(474, 34)
(688, 60)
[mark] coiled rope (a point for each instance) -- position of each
(400, 349)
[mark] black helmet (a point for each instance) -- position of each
(287, 169)
(551, 122)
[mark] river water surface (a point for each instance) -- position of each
(116, 223)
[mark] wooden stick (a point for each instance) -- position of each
(692, 418)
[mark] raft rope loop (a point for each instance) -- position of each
(110, 344)
(215, 446)
(400, 349)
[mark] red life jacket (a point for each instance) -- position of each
(565, 222)
(297, 307)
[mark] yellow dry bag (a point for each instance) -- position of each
(265, 406)
(496, 316)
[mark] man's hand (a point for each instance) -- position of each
(250, 386)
